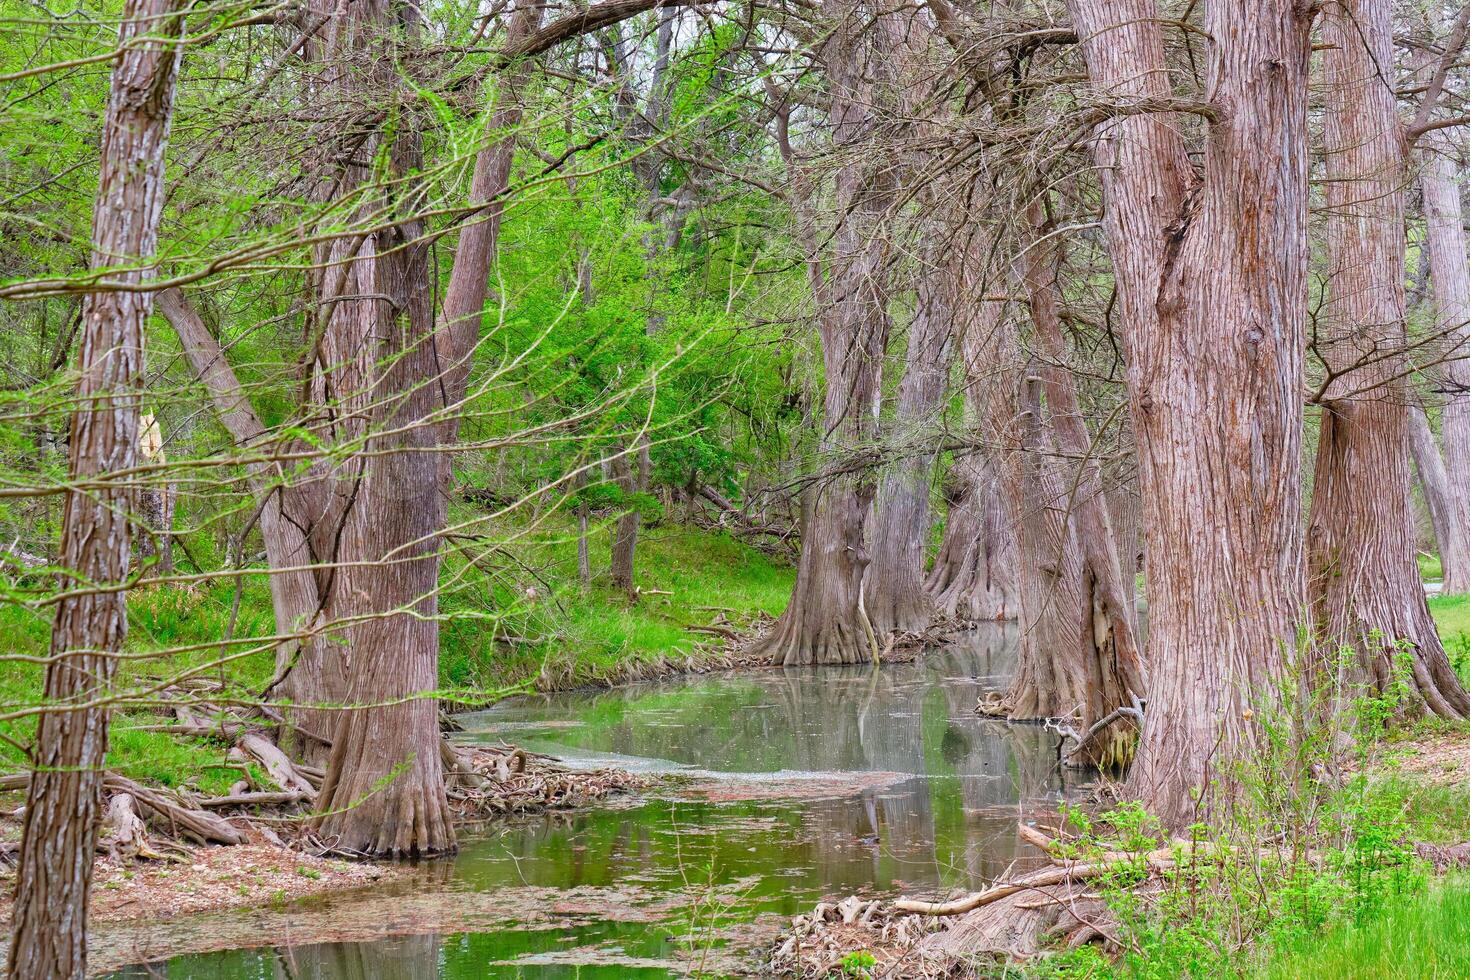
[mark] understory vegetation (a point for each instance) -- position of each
(533, 628)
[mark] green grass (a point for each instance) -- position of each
(1452, 616)
(603, 633)
(1424, 937)
(576, 636)
(158, 619)
(1429, 567)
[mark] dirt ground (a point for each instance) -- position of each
(211, 879)
(1436, 757)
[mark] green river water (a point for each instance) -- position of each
(787, 787)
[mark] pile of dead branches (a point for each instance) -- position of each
(1020, 917)
(817, 944)
(273, 800)
(487, 781)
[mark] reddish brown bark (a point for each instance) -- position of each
(1212, 287)
(63, 806)
(974, 577)
(1449, 272)
(1052, 680)
(1365, 584)
(384, 789)
(894, 592)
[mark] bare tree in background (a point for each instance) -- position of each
(1446, 479)
(1080, 655)
(1365, 584)
(974, 575)
(825, 622)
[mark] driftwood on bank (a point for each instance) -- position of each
(180, 820)
(1016, 918)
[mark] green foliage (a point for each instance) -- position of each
(563, 634)
(858, 963)
(1296, 859)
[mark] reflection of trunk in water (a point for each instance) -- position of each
(1001, 767)
(404, 958)
(893, 741)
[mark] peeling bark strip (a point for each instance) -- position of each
(1365, 584)
(1213, 288)
(63, 807)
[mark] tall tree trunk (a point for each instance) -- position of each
(894, 592)
(63, 805)
(825, 622)
(384, 789)
(309, 671)
(1435, 482)
(1052, 680)
(1365, 584)
(1450, 274)
(974, 577)
(1213, 288)
(1091, 598)
(625, 529)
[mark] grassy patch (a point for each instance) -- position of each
(1425, 936)
(687, 577)
(1452, 616)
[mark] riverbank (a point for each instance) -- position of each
(157, 870)
(1359, 872)
(218, 878)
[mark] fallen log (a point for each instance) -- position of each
(124, 832)
(281, 770)
(247, 798)
(202, 826)
(1036, 879)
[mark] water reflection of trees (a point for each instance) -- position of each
(972, 777)
(948, 817)
(399, 958)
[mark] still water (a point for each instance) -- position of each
(786, 787)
